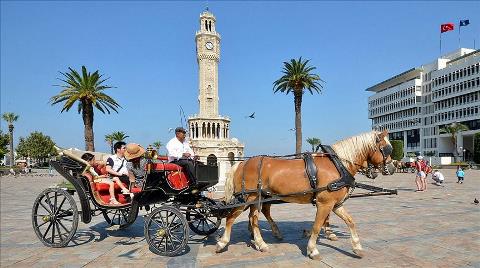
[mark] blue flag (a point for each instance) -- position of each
(464, 22)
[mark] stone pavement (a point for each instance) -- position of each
(437, 228)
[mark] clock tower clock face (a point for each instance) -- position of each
(209, 45)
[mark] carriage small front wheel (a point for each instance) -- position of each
(201, 221)
(166, 231)
(55, 217)
(120, 216)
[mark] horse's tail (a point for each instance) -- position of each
(229, 183)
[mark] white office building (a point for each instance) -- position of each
(416, 104)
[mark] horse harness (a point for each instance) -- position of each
(345, 180)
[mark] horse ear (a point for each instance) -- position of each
(384, 133)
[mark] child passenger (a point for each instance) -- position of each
(90, 158)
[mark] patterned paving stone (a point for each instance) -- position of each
(437, 228)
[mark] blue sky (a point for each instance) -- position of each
(148, 51)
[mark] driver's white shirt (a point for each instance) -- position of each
(176, 149)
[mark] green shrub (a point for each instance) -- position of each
(397, 153)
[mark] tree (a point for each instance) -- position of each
(109, 139)
(476, 148)
(4, 141)
(298, 76)
(157, 145)
(119, 136)
(314, 142)
(37, 146)
(453, 129)
(87, 90)
(10, 118)
(397, 152)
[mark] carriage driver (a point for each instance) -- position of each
(180, 153)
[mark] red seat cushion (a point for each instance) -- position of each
(166, 167)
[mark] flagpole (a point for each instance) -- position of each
(440, 43)
(459, 35)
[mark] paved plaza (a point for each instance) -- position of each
(437, 228)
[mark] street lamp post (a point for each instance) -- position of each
(463, 155)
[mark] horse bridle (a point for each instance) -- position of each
(386, 151)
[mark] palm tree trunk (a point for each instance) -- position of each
(87, 114)
(298, 120)
(12, 156)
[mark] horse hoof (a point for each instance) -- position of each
(315, 257)
(264, 249)
(359, 253)
(332, 237)
(219, 248)
(279, 237)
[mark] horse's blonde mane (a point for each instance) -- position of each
(350, 148)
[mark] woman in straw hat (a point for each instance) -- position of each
(136, 162)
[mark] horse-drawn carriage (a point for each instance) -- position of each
(259, 182)
(174, 211)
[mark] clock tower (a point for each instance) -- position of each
(208, 56)
(209, 132)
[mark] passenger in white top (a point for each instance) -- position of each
(180, 153)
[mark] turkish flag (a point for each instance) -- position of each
(447, 27)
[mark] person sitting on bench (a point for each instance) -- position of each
(180, 153)
(90, 158)
(117, 164)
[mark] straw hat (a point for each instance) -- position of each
(133, 151)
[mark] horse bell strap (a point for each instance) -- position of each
(311, 169)
(346, 179)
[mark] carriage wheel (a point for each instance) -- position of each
(55, 217)
(166, 231)
(119, 217)
(201, 221)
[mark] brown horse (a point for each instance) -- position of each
(283, 177)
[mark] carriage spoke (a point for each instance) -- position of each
(61, 224)
(55, 202)
(40, 225)
(47, 199)
(214, 223)
(61, 204)
(49, 210)
(59, 233)
(53, 232)
(46, 231)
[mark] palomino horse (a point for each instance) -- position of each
(283, 177)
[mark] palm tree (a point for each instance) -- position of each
(86, 89)
(453, 129)
(109, 139)
(314, 142)
(10, 118)
(157, 145)
(119, 136)
(297, 77)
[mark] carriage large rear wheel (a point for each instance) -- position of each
(166, 231)
(55, 217)
(201, 221)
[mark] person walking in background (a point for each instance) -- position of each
(420, 178)
(460, 174)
